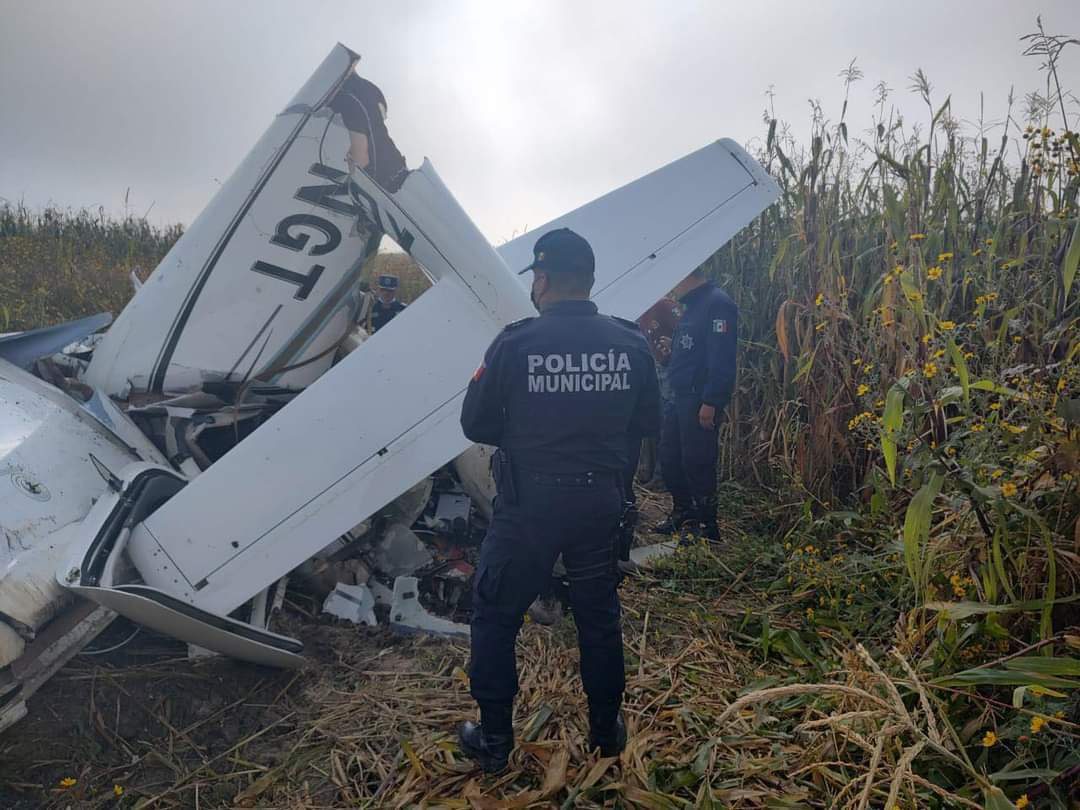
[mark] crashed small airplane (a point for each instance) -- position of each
(235, 424)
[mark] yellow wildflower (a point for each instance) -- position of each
(989, 739)
(989, 242)
(118, 790)
(934, 273)
(68, 781)
(810, 613)
(939, 354)
(930, 370)
(1061, 385)
(819, 300)
(1017, 339)
(1014, 429)
(944, 257)
(1037, 724)
(867, 367)
(925, 339)
(1023, 801)
(947, 326)
(914, 296)
(968, 355)
(879, 404)
(893, 245)
(917, 237)
(820, 327)
(1008, 489)
(996, 474)
(857, 361)
(863, 389)
(978, 427)
(888, 278)
(995, 406)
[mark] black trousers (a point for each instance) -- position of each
(516, 559)
(688, 453)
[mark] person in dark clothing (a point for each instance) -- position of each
(658, 324)
(386, 305)
(559, 395)
(701, 373)
(362, 106)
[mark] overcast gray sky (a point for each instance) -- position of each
(527, 109)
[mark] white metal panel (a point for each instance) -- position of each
(206, 309)
(221, 634)
(381, 420)
(651, 233)
(47, 482)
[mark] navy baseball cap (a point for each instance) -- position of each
(388, 282)
(562, 251)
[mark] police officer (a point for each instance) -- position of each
(559, 395)
(386, 305)
(362, 107)
(701, 373)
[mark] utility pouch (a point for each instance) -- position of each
(503, 472)
(624, 540)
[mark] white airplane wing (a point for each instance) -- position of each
(651, 233)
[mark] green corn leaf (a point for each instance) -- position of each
(1072, 261)
(891, 422)
(1002, 677)
(917, 527)
(1025, 775)
(995, 799)
(960, 364)
(1046, 666)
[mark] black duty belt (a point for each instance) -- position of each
(584, 479)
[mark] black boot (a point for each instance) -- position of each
(490, 741)
(705, 517)
(491, 751)
(679, 516)
(611, 740)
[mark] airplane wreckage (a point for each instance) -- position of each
(234, 426)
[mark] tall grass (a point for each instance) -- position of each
(910, 388)
(57, 264)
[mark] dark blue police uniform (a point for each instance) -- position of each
(558, 394)
(701, 371)
(382, 314)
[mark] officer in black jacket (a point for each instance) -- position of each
(701, 373)
(386, 304)
(559, 395)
